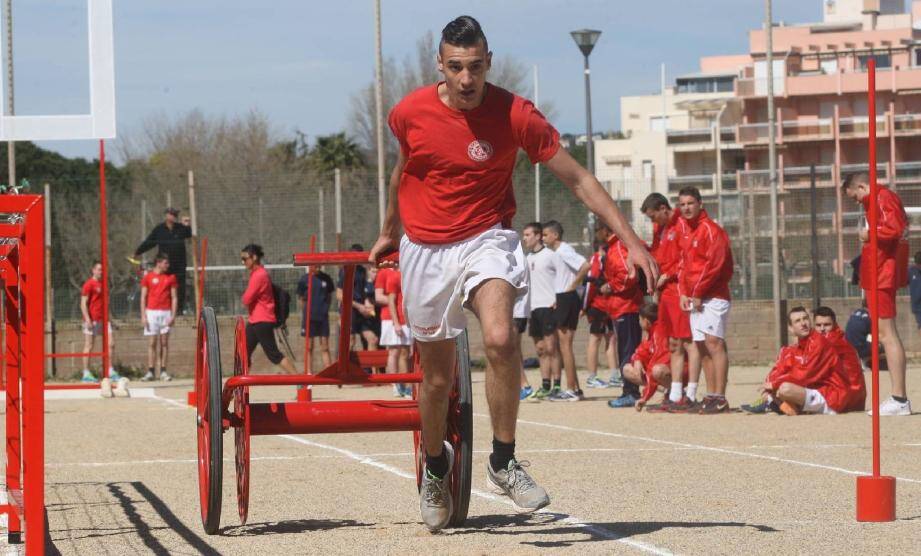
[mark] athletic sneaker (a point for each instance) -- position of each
(517, 484)
(164, 377)
(616, 381)
(664, 407)
(121, 388)
(539, 394)
(105, 388)
(891, 407)
(88, 376)
(397, 391)
(757, 407)
(525, 393)
(407, 390)
(113, 374)
(595, 382)
(148, 376)
(567, 396)
(624, 401)
(435, 500)
(555, 391)
(684, 405)
(714, 405)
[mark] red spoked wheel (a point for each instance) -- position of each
(242, 423)
(459, 432)
(209, 420)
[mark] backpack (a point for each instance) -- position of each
(282, 305)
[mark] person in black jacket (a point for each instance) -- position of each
(169, 238)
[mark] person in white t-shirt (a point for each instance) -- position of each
(568, 305)
(543, 267)
(520, 313)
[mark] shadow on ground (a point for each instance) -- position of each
(550, 524)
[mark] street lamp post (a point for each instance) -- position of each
(585, 40)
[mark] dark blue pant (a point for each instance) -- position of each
(629, 336)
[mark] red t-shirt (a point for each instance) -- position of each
(380, 283)
(457, 178)
(259, 297)
(394, 286)
(92, 291)
(158, 290)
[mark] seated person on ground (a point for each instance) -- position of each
(827, 323)
(649, 365)
(808, 376)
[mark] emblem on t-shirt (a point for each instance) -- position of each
(156, 281)
(479, 150)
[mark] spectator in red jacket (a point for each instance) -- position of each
(827, 323)
(891, 274)
(594, 306)
(669, 231)
(809, 376)
(649, 365)
(703, 287)
(259, 299)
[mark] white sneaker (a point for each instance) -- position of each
(397, 391)
(164, 377)
(105, 388)
(121, 388)
(148, 376)
(890, 407)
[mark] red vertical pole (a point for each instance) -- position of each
(13, 405)
(104, 258)
(201, 272)
(305, 394)
(875, 493)
(33, 376)
(874, 260)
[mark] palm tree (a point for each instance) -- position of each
(336, 151)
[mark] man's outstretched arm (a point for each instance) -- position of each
(389, 239)
(587, 189)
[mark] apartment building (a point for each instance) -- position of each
(710, 130)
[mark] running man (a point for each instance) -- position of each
(451, 190)
(703, 286)
(91, 308)
(568, 305)
(890, 227)
(159, 303)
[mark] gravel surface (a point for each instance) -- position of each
(122, 479)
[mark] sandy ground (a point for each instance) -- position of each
(121, 479)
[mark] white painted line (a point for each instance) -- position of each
(88, 394)
(569, 520)
(699, 447)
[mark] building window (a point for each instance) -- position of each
(918, 57)
(658, 123)
(882, 60)
(829, 65)
(705, 85)
(647, 169)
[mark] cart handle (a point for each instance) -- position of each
(341, 258)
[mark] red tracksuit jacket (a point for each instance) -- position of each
(852, 370)
(626, 296)
(706, 260)
(666, 248)
(890, 227)
(813, 363)
(651, 352)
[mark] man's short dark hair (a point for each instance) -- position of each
(463, 31)
(827, 312)
(555, 226)
(797, 309)
(650, 312)
(853, 180)
(357, 247)
(653, 202)
(95, 262)
(161, 257)
(690, 191)
(918, 257)
(534, 226)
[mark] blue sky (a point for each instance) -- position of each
(299, 62)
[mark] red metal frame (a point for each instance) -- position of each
(22, 274)
(306, 416)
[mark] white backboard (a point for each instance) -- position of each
(100, 122)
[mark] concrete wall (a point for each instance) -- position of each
(750, 339)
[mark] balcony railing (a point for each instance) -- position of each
(882, 169)
(801, 176)
(906, 124)
(753, 133)
(700, 181)
(687, 136)
(907, 172)
(794, 130)
(860, 126)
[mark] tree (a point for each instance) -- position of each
(418, 69)
(335, 151)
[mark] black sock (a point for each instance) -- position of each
(545, 383)
(900, 399)
(150, 370)
(502, 453)
(437, 465)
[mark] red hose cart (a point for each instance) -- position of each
(216, 414)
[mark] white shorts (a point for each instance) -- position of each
(389, 337)
(522, 308)
(711, 319)
(438, 279)
(95, 328)
(157, 322)
(815, 403)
